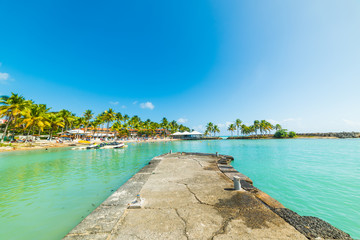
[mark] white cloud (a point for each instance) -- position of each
(148, 105)
(135, 102)
(123, 106)
(114, 103)
(182, 120)
(4, 77)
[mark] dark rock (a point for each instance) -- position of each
(332, 134)
(311, 227)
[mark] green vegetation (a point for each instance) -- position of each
(211, 128)
(259, 129)
(292, 134)
(28, 118)
(282, 133)
(263, 126)
(231, 128)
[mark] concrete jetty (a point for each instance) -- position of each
(190, 196)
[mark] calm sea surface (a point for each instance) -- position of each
(44, 194)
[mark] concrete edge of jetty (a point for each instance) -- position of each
(104, 221)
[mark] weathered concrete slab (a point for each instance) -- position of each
(101, 222)
(186, 196)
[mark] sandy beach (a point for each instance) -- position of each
(53, 144)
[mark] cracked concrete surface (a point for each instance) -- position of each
(186, 197)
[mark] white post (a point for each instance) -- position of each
(170, 151)
(237, 184)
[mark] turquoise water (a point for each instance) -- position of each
(47, 193)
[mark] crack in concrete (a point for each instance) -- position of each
(118, 223)
(198, 162)
(185, 223)
(225, 222)
(196, 197)
(224, 225)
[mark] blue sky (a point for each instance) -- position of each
(296, 63)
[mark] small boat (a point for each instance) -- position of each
(112, 146)
(79, 148)
(94, 146)
(86, 147)
(121, 145)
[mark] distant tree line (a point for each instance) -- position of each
(261, 128)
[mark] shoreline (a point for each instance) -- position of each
(48, 145)
(38, 146)
(297, 137)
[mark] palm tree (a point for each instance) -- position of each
(153, 127)
(182, 128)
(36, 116)
(262, 126)
(173, 126)
(256, 126)
(43, 113)
(126, 118)
(78, 123)
(67, 117)
(55, 121)
(165, 125)
(209, 127)
(251, 129)
(231, 128)
(238, 123)
(12, 108)
(244, 129)
(88, 115)
(216, 129)
(109, 116)
(268, 127)
(117, 126)
(119, 117)
(278, 127)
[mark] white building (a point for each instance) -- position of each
(187, 135)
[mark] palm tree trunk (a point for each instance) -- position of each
(27, 137)
(107, 130)
(6, 128)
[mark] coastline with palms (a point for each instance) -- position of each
(31, 121)
(26, 121)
